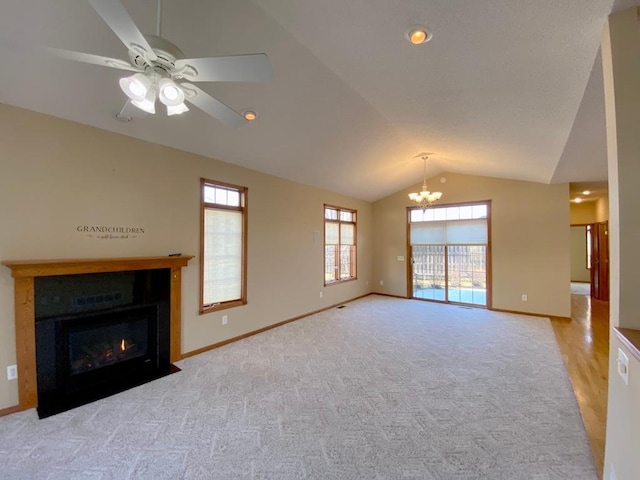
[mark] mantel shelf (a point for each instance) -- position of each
(44, 268)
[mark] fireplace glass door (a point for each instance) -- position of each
(107, 347)
(97, 346)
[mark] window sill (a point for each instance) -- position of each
(338, 282)
(222, 306)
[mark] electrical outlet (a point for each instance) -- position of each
(381, 282)
(524, 297)
(366, 284)
(320, 294)
(224, 319)
(12, 372)
(612, 473)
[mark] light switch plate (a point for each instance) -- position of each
(623, 366)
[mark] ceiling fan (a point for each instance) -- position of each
(162, 73)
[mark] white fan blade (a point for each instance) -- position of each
(235, 68)
(213, 107)
(93, 59)
(115, 15)
(130, 111)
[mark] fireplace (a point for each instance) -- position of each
(86, 329)
(84, 357)
(98, 334)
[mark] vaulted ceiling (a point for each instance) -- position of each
(505, 88)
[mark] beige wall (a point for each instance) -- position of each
(602, 209)
(579, 270)
(582, 213)
(56, 175)
(589, 212)
(621, 68)
(530, 240)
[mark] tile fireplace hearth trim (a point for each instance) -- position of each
(24, 273)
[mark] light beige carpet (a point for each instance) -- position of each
(381, 389)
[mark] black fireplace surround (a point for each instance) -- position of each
(99, 334)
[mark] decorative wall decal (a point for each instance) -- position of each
(102, 232)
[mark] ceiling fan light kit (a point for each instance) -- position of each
(169, 93)
(160, 69)
(148, 103)
(177, 109)
(136, 86)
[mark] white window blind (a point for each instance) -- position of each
(222, 256)
(454, 232)
(331, 233)
(429, 233)
(347, 234)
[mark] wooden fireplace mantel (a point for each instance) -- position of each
(24, 273)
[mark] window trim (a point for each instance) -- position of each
(324, 243)
(243, 191)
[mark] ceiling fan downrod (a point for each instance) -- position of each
(159, 19)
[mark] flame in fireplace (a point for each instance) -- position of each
(122, 345)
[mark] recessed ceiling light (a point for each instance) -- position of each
(419, 34)
(586, 192)
(578, 200)
(250, 115)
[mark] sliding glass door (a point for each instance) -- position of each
(429, 274)
(449, 253)
(467, 274)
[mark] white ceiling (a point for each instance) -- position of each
(506, 88)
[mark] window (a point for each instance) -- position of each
(223, 250)
(339, 244)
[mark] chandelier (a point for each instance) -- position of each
(425, 198)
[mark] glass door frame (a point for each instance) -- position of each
(409, 252)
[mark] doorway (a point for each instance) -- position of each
(590, 260)
(600, 261)
(580, 259)
(449, 252)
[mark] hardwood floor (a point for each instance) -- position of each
(584, 343)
